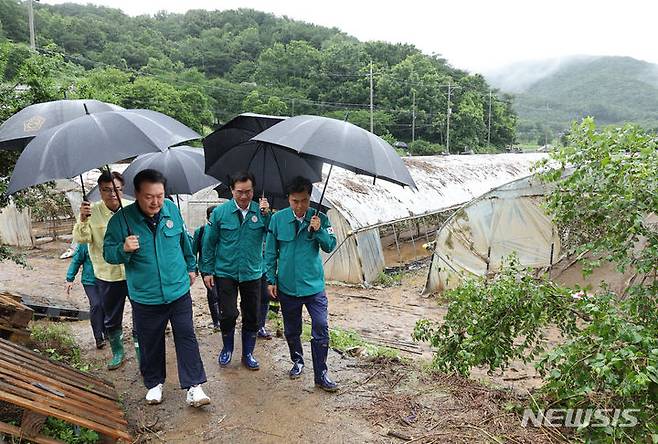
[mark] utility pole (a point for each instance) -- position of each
(413, 117)
(30, 19)
(489, 127)
(448, 120)
(372, 125)
(293, 108)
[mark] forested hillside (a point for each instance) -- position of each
(550, 94)
(203, 67)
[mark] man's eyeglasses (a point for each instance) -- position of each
(111, 190)
(243, 192)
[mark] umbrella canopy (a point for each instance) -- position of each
(181, 165)
(339, 143)
(230, 149)
(94, 140)
(17, 131)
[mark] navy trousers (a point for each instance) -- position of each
(151, 321)
(113, 297)
(96, 313)
(317, 307)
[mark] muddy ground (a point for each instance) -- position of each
(379, 401)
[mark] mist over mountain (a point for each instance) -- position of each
(551, 93)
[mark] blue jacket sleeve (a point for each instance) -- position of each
(76, 262)
(113, 252)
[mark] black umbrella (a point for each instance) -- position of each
(339, 143)
(181, 165)
(230, 149)
(17, 131)
(92, 140)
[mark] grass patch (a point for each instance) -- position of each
(56, 342)
(349, 341)
(68, 433)
(387, 280)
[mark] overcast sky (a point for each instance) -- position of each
(478, 35)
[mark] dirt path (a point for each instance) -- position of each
(265, 406)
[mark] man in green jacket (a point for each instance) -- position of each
(296, 278)
(211, 292)
(150, 239)
(96, 314)
(233, 259)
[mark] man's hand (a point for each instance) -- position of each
(274, 293)
(131, 244)
(69, 286)
(85, 211)
(264, 206)
(209, 281)
(192, 277)
(315, 224)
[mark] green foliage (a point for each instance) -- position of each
(612, 190)
(587, 86)
(421, 147)
(58, 429)
(611, 363)
(214, 60)
(347, 340)
(388, 280)
(485, 320)
(609, 359)
(56, 342)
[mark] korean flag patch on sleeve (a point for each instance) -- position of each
(330, 230)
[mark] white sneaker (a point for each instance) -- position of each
(154, 395)
(196, 397)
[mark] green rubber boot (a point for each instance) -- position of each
(116, 344)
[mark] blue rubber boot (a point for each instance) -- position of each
(319, 351)
(226, 354)
(297, 357)
(248, 345)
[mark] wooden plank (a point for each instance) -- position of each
(15, 335)
(38, 439)
(27, 383)
(45, 409)
(83, 384)
(13, 313)
(32, 358)
(56, 403)
(31, 423)
(13, 367)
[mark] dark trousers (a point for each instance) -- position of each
(113, 296)
(264, 303)
(227, 290)
(151, 322)
(317, 307)
(96, 313)
(213, 304)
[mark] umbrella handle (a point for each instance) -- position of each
(84, 193)
(116, 193)
(317, 209)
